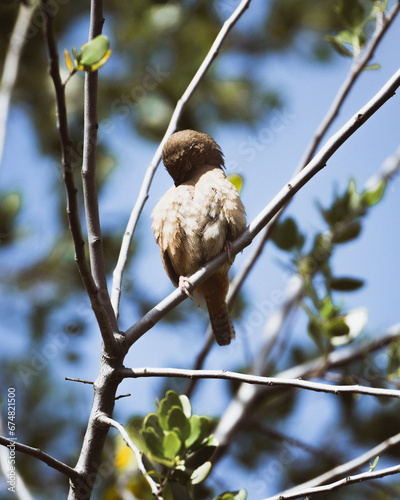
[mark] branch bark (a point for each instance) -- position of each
(343, 469)
(248, 395)
(382, 25)
(10, 67)
(71, 191)
(258, 380)
(365, 476)
(125, 436)
(151, 169)
(286, 193)
(89, 172)
(44, 457)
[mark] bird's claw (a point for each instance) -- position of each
(183, 285)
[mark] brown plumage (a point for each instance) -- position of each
(197, 218)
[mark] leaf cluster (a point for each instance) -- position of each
(328, 324)
(177, 447)
(356, 16)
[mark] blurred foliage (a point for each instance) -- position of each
(157, 47)
(328, 324)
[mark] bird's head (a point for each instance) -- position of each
(188, 150)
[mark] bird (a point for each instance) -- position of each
(196, 219)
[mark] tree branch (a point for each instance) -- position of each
(382, 25)
(10, 67)
(256, 379)
(151, 169)
(89, 171)
(365, 476)
(44, 457)
(356, 69)
(125, 436)
(286, 193)
(71, 191)
(343, 469)
(248, 395)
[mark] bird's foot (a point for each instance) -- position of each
(183, 285)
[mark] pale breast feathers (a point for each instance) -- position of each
(199, 215)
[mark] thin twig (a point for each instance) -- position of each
(89, 170)
(44, 457)
(356, 69)
(286, 193)
(151, 169)
(125, 436)
(10, 68)
(365, 476)
(256, 379)
(382, 24)
(247, 395)
(82, 381)
(344, 469)
(71, 191)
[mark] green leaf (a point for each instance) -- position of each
(346, 232)
(153, 443)
(372, 67)
(356, 320)
(352, 12)
(374, 194)
(178, 490)
(186, 406)
(171, 399)
(336, 327)
(151, 420)
(286, 235)
(93, 54)
(199, 430)
(374, 464)
(338, 46)
(171, 445)
(346, 284)
(177, 422)
(201, 455)
(199, 474)
(328, 310)
(236, 180)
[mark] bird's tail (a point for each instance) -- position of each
(221, 322)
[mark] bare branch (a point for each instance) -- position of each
(344, 469)
(44, 457)
(258, 380)
(248, 395)
(82, 381)
(71, 191)
(382, 25)
(356, 69)
(10, 67)
(286, 193)
(365, 476)
(125, 436)
(151, 169)
(89, 171)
